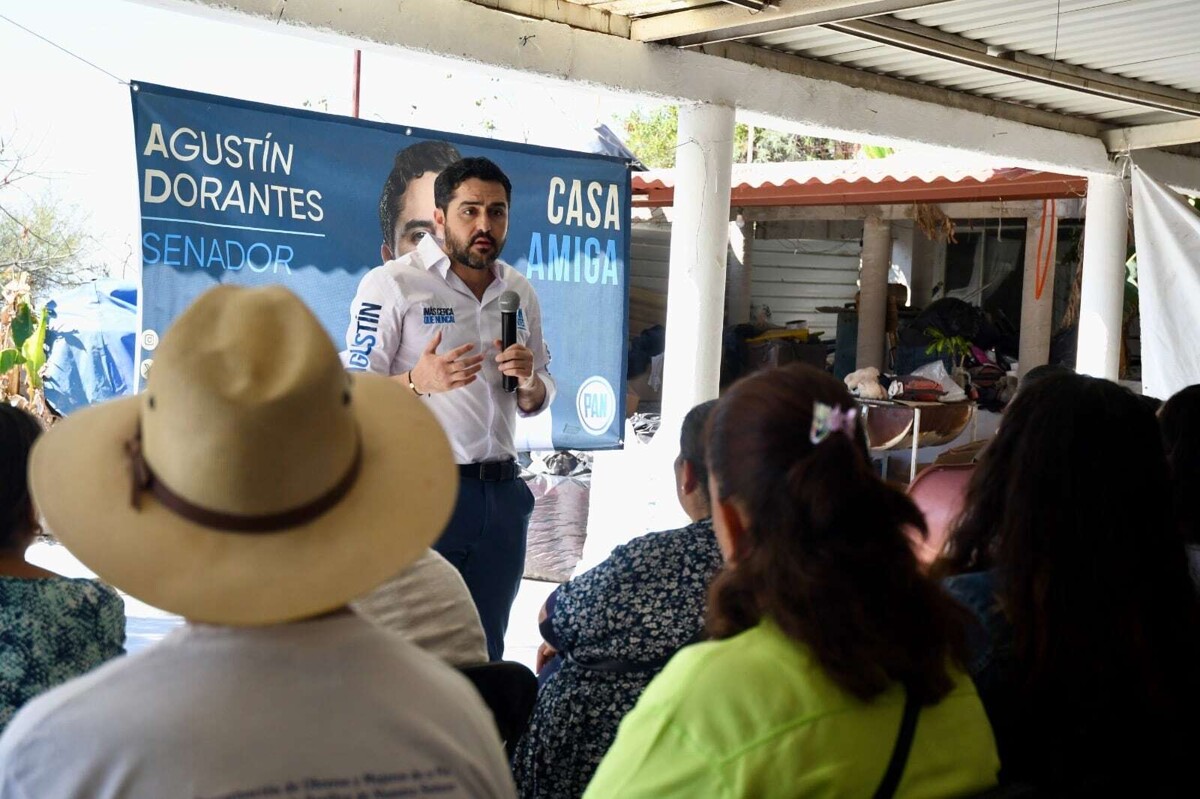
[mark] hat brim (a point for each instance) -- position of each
(397, 506)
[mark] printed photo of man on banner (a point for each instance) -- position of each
(241, 192)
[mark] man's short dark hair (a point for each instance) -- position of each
(463, 170)
(411, 162)
(1043, 372)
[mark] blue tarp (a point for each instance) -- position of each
(91, 339)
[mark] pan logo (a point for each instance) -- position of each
(596, 405)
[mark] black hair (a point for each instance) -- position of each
(409, 164)
(463, 170)
(1039, 373)
(18, 430)
(1071, 507)
(1179, 421)
(692, 443)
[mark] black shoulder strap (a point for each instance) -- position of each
(895, 770)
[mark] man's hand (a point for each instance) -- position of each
(435, 373)
(516, 361)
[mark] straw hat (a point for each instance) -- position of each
(253, 481)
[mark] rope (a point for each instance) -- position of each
(63, 49)
(1042, 270)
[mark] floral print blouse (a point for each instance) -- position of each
(51, 630)
(615, 628)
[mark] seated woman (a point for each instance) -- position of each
(828, 635)
(51, 628)
(1068, 554)
(613, 628)
(1179, 422)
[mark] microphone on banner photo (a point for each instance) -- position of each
(510, 303)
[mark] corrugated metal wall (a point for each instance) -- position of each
(795, 277)
(792, 277)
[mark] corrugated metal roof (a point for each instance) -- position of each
(1154, 41)
(869, 182)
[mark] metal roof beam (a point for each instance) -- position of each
(721, 23)
(936, 43)
(921, 92)
(1144, 137)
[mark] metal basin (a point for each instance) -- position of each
(890, 424)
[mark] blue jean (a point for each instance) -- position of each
(485, 541)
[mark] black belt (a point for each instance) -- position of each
(490, 472)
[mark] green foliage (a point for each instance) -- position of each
(30, 341)
(10, 358)
(652, 137)
(875, 151)
(39, 235)
(49, 242)
(955, 347)
(33, 349)
(773, 147)
(22, 325)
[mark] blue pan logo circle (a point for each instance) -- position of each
(596, 405)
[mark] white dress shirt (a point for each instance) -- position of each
(402, 304)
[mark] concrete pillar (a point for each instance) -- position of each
(1102, 295)
(1037, 312)
(904, 250)
(696, 278)
(924, 259)
(741, 265)
(872, 299)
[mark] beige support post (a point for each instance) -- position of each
(1037, 294)
(873, 283)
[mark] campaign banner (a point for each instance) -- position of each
(239, 192)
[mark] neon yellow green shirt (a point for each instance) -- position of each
(756, 716)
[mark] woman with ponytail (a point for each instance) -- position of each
(828, 636)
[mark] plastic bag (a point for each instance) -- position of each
(936, 370)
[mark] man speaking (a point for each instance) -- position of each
(432, 320)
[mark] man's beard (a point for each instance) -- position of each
(463, 254)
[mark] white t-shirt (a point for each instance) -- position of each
(333, 708)
(429, 604)
(401, 305)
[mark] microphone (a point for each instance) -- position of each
(510, 302)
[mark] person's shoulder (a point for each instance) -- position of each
(72, 591)
(100, 593)
(723, 671)
(62, 714)
(394, 274)
(974, 590)
(723, 694)
(516, 280)
(693, 545)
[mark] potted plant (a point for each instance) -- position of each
(956, 348)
